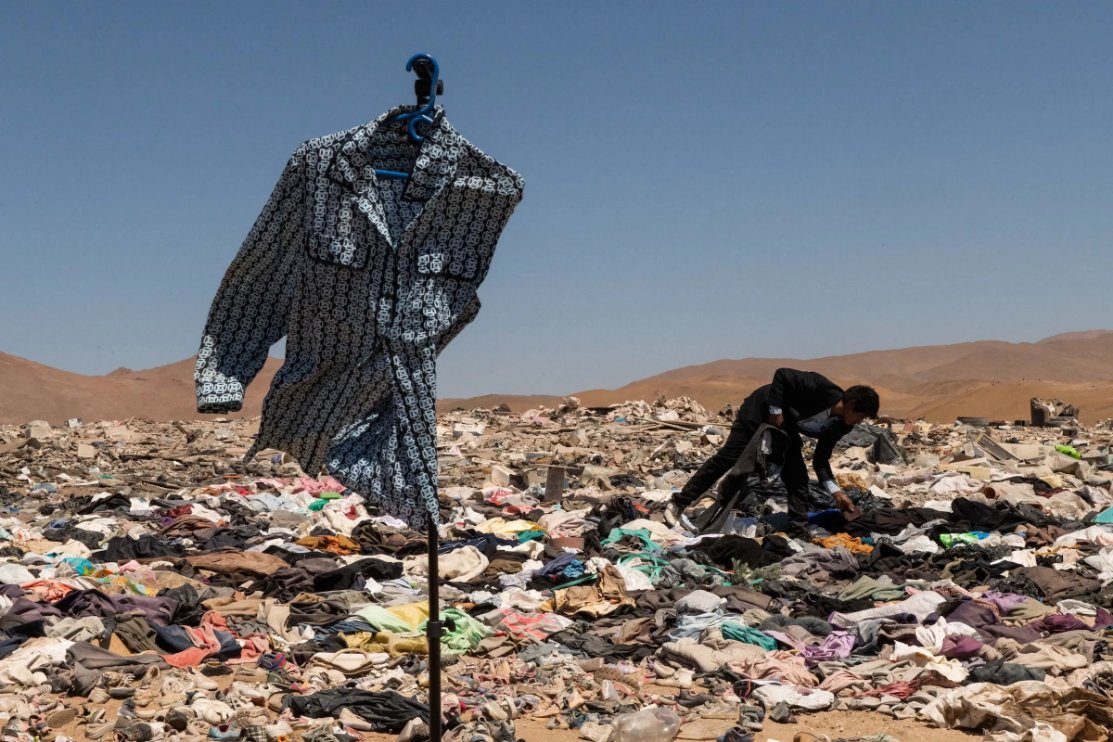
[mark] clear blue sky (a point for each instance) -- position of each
(703, 180)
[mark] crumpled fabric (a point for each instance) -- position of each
(920, 606)
(1039, 654)
(697, 655)
(1028, 710)
(458, 565)
(699, 601)
(205, 645)
(602, 599)
(386, 711)
(785, 667)
(853, 544)
(810, 699)
(748, 635)
(465, 633)
(526, 627)
(952, 670)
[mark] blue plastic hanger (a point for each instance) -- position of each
(427, 86)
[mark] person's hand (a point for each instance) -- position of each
(845, 503)
(777, 420)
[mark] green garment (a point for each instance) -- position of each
(642, 534)
(868, 587)
(739, 633)
(383, 620)
(466, 632)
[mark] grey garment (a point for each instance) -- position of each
(369, 279)
(690, 625)
(1079, 642)
(811, 624)
(94, 658)
(286, 519)
(88, 663)
(867, 633)
(698, 601)
(76, 629)
(836, 561)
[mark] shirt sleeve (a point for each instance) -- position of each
(777, 388)
(775, 410)
(252, 305)
(824, 447)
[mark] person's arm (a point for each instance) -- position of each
(821, 463)
(781, 379)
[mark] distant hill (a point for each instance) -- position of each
(939, 382)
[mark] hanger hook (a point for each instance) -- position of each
(426, 68)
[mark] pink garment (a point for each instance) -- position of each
(254, 647)
(206, 645)
(783, 666)
(840, 680)
(835, 646)
(526, 627)
(901, 690)
(216, 621)
(317, 486)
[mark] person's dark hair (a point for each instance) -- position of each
(862, 399)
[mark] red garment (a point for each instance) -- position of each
(205, 645)
(254, 647)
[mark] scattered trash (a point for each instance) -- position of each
(144, 562)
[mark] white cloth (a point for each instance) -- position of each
(811, 699)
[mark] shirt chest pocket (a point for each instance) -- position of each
(342, 231)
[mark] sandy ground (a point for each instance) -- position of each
(834, 724)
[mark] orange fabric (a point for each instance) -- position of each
(49, 590)
(341, 545)
(846, 541)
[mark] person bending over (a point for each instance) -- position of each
(800, 403)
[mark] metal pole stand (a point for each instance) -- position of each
(434, 629)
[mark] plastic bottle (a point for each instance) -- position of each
(647, 725)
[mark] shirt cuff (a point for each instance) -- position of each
(218, 407)
(831, 487)
(220, 397)
(775, 410)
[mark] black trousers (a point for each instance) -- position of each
(754, 412)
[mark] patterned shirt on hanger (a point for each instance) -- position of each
(369, 279)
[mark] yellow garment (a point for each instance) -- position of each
(507, 528)
(846, 541)
(359, 640)
(395, 645)
(412, 614)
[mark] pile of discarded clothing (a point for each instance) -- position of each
(153, 587)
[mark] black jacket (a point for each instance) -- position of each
(799, 395)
